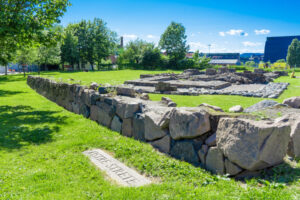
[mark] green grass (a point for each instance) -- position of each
(41, 147)
(223, 101)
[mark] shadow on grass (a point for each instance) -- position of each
(284, 174)
(12, 78)
(5, 93)
(22, 125)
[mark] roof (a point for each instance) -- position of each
(224, 61)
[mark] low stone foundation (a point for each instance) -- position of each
(201, 135)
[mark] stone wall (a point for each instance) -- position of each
(200, 135)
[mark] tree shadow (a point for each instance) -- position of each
(12, 78)
(22, 125)
(5, 93)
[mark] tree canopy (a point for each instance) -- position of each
(173, 41)
(23, 22)
(293, 56)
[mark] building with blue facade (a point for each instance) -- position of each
(277, 47)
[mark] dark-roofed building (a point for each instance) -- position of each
(223, 58)
(277, 47)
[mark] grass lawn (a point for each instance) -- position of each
(223, 101)
(41, 147)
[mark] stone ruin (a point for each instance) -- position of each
(223, 82)
(205, 136)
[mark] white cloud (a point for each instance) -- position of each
(130, 36)
(151, 36)
(234, 32)
(222, 34)
(251, 44)
(262, 32)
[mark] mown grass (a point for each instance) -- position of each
(41, 147)
(223, 101)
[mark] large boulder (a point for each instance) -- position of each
(164, 87)
(139, 127)
(157, 123)
(261, 106)
(127, 127)
(125, 91)
(163, 144)
(189, 123)
(215, 161)
(231, 168)
(294, 145)
(104, 112)
(184, 150)
(293, 102)
(116, 124)
(126, 107)
(211, 71)
(236, 109)
(253, 145)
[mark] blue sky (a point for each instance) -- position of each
(228, 25)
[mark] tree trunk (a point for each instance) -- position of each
(39, 69)
(24, 71)
(92, 66)
(5, 69)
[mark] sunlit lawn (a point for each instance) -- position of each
(223, 101)
(41, 147)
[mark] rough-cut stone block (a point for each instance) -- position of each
(106, 113)
(189, 123)
(253, 145)
(231, 168)
(165, 87)
(211, 71)
(116, 124)
(126, 108)
(215, 160)
(127, 127)
(236, 109)
(202, 153)
(163, 144)
(216, 108)
(211, 140)
(184, 150)
(293, 102)
(157, 123)
(261, 105)
(294, 146)
(139, 127)
(84, 110)
(125, 91)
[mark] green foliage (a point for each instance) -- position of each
(94, 42)
(173, 41)
(293, 56)
(69, 47)
(281, 61)
(24, 22)
(250, 64)
(151, 57)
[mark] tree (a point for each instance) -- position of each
(69, 47)
(250, 64)
(26, 56)
(22, 22)
(293, 56)
(134, 51)
(151, 57)
(173, 41)
(49, 55)
(95, 41)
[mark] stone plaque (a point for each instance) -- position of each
(116, 170)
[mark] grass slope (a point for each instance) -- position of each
(41, 147)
